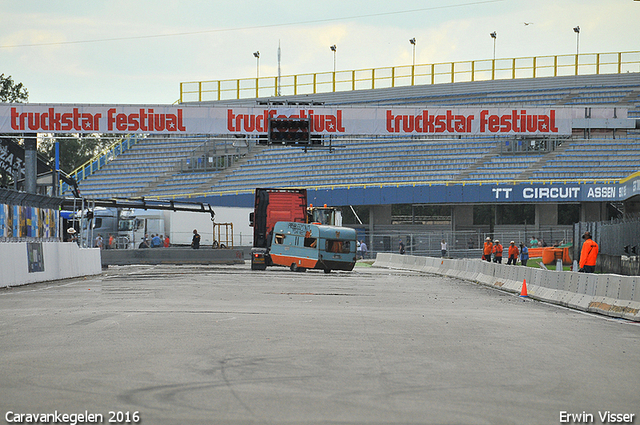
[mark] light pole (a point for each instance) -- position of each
(413, 62)
(333, 49)
(576, 29)
(494, 35)
(413, 43)
(257, 56)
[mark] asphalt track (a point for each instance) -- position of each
(224, 345)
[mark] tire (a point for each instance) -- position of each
(327, 271)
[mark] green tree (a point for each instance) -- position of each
(75, 149)
(12, 92)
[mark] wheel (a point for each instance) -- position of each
(294, 267)
(327, 270)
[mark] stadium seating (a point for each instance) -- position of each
(157, 166)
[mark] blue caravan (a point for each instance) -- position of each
(303, 246)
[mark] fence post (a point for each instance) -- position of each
(534, 67)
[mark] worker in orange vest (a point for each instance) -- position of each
(497, 252)
(513, 253)
(588, 254)
(487, 250)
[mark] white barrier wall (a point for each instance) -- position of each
(612, 295)
(59, 260)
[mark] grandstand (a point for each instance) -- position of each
(181, 167)
(588, 169)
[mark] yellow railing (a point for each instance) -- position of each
(101, 159)
(409, 75)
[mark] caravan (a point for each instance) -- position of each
(302, 246)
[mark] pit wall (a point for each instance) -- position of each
(607, 294)
(57, 260)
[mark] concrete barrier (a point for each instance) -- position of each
(46, 261)
(608, 294)
(121, 257)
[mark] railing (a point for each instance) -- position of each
(409, 75)
(100, 160)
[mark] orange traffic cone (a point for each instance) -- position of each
(523, 292)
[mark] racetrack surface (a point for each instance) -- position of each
(225, 345)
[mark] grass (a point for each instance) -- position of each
(535, 263)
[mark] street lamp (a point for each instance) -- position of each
(413, 63)
(413, 43)
(494, 35)
(576, 29)
(257, 56)
(333, 49)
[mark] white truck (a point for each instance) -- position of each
(130, 225)
(230, 226)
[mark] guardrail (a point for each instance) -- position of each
(608, 294)
(409, 75)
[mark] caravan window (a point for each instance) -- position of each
(279, 238)
(333, 245)
(310, 242)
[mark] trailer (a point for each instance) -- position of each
(313, 246)
(282, 205)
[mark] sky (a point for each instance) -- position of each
(138, 52)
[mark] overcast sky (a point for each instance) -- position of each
(138, 51)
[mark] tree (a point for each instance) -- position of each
(75, 149)
(12, 92)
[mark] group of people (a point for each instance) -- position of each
(156, 241)
(99, 242)
(494, 250)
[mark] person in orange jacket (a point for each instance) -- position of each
(513, 253)
(497, 252)
(588, 254)
(487, 250)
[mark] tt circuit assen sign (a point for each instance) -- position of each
(164, 119)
